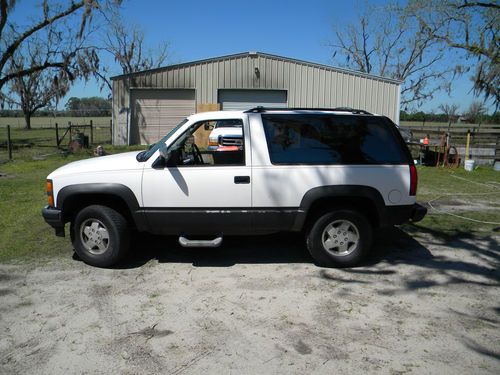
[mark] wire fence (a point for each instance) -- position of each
(48, 137)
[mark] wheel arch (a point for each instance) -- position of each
(71, 199)
(364, 199)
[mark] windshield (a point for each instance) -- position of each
(146, 154)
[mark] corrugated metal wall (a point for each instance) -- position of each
(308, 85)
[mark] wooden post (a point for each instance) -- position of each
(57, 135)
(111, 130)
(467, 145)
(91, 132)
(9, 143)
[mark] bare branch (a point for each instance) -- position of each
(466, 4)
(47, 21)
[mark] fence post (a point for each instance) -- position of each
(111, 130)
(9, 143)
(57, 135)
(91, 132)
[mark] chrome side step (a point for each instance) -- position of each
(184, 242)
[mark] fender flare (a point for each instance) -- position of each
(340, 191)
(112, 189)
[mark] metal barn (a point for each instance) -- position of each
(147, 104)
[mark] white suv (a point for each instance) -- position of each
(335, 175)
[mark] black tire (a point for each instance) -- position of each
(344, 253)
(90, 228)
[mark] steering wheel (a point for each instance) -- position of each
(198, 159)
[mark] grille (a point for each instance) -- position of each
(230, 141)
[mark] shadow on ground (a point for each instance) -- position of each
(399, 264)
(461, 257)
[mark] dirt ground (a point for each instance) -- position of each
(425, 304)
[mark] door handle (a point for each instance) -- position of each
(241, 179)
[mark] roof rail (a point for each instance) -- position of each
(260, 109)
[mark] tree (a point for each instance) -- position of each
(67, 49)
(450, 110)
(92, 106)
(127, 45)
(471, 27)
(475, 112)
(37, 90)
(390, 42)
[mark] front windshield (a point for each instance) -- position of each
(145, 155)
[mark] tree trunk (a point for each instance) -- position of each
(27, 120)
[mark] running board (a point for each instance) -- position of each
(184, 242)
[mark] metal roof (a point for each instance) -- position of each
(259, 54)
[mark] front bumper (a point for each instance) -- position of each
(54, 218)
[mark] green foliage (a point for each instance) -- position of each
(421, 116)
(92, 106)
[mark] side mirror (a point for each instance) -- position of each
(165, 153)
(208, 126)
(162, 161)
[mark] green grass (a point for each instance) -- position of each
(25, 235)
(474, 195)
(49, 122)
(23, 232)
(42, 141)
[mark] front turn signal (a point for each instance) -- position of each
(50, 193)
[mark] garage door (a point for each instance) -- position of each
(232, 100)
(156, 112)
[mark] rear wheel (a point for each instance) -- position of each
(100, 236)
(341, 238)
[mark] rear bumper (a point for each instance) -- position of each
(395, 215)
(418, 212)
(54, 218)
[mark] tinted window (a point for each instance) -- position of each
(229, 124)
(331, 139)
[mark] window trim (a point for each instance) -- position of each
(244, 164)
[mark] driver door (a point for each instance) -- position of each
(200, 191)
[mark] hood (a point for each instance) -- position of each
(225, 132)
(118, 162)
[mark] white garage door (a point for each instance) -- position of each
(156, 112)
(232, 100)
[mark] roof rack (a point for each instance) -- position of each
(260, 109)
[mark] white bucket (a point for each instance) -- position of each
(469, 165)
(496, 166)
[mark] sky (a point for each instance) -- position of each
(202, 29)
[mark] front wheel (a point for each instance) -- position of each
(100, 236)
(341, 238)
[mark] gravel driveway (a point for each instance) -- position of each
(425, 304)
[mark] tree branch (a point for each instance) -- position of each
(15, 45)
(30, 70)
(466, 4)
(4, 6)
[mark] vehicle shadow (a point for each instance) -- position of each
(278, 248)
(392, 247)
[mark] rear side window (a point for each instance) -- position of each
(331, 139)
